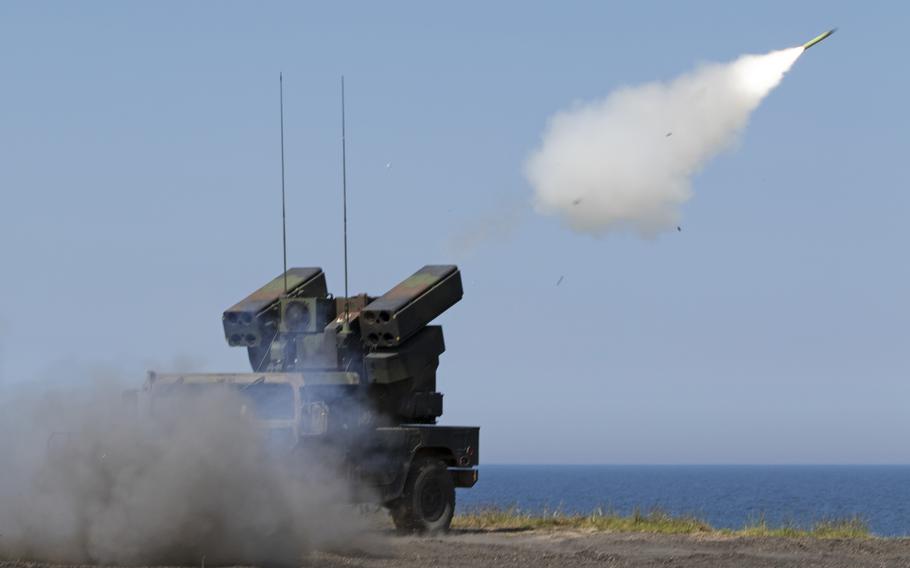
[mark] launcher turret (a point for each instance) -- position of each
(389, 344)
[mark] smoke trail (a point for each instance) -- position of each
(625, 163)
(498, 224)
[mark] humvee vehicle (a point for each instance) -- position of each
(353, 380)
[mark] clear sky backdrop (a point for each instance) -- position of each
(139, 171)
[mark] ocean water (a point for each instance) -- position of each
(725, 496)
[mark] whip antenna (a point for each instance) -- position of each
(284, 233)
(344, 198)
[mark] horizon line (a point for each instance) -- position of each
(772, 464)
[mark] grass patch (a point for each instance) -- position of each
(830, 528)
(654, 521)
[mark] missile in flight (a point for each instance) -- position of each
(818, 38)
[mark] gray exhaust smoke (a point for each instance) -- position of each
(86, 480)
(625, 163)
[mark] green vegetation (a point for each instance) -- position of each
(654, 521)
(829, 528)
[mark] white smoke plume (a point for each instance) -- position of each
(86, 479)
(625, 162)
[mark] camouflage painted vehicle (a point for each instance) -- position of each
(353, 380)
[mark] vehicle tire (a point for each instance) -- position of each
(428, 501)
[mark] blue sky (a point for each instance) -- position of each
(140, 197)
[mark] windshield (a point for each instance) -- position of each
(264, 401)
(268, 401)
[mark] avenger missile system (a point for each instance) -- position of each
(353, 377)
(348, 381)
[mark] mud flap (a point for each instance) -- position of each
(464, 477)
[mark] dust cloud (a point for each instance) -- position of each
(87, 478)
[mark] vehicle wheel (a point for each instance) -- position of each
(428, 501)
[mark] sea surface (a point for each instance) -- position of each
(724, 496)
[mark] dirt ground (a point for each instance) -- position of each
(537, 549)
(572, 548)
